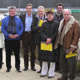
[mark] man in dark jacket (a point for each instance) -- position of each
(36, 27)
(59, 14)
(48, 35)
(28, 38)
(58, 17)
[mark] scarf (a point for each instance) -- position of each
(12, 26)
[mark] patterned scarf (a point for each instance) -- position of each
(11, 26)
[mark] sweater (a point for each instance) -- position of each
(19, 27)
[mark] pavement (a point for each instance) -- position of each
(24, 75)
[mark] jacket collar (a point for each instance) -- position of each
(59, 15)
(68, 25)
(39, 17)
(50, 21)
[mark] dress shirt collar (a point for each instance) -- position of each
(41, 17)
(28, 16)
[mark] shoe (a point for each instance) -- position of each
(61, 78)
(42, 75)
(57, 70)
(33, 69)
(39, 71)
(71, 79)
(0, 67)
(50, 76)
(8, 70)
(2, 63)
(25, 69)
(18, 70)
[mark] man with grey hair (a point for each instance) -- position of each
(68, 36)
(11, 7)
(12, 28)
(40, 7)
(36, 28)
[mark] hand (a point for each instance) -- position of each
(48, 41)
(11, 36)
(72, 49)
(15, 36)
(44, 20)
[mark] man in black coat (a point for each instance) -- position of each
(58, 17)
(36, 27)
(59, 14)
(28, 38)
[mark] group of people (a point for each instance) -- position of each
(59, 32)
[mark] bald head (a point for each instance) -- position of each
(66, 14)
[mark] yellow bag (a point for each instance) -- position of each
(71, 54)
(46, 47)
(40, 23)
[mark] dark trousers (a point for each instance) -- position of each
(57, 54)
(12, 45)
(40, 62)
(67, 65)
(0, 57)
(28, 42)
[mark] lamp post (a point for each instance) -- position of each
(19, 6)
